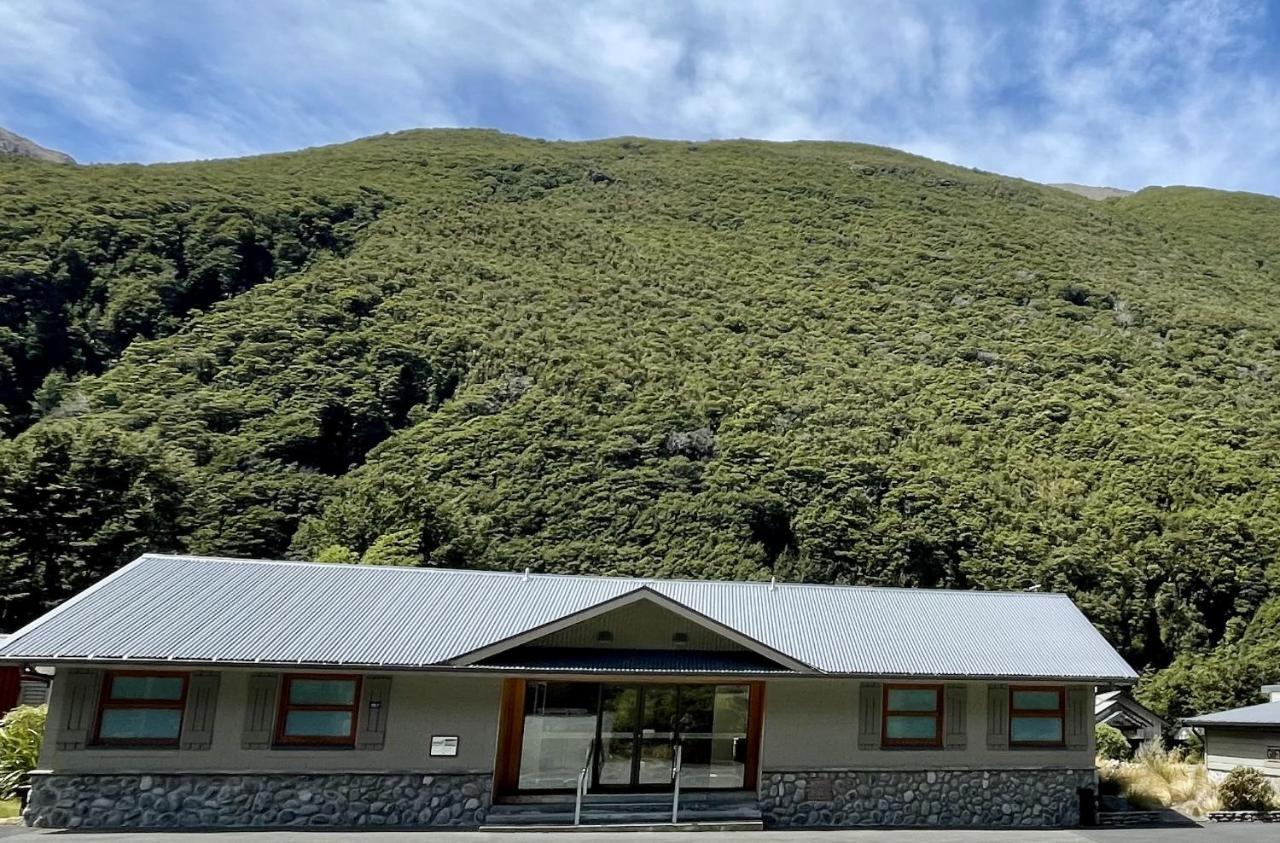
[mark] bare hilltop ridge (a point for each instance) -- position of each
(1091, 192)
(20, 147)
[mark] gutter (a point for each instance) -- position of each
(90, 660)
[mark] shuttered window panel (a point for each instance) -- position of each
(375, 702)
(260, 711)
(869, 714)
(79, 690)
(997, 716)
(201, 709)
(956, 717)
(33, 692)
(1079, 717)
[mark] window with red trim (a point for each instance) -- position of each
(140, 708)
(912, 716)
(318, 710)
(1037, 716)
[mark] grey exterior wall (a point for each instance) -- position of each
(421, 705)
(1226, 749)
(812, 725)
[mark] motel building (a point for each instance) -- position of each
(194, 692)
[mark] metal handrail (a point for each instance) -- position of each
(583, 779)
(675, 783)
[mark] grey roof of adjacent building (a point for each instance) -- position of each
(1110, 700)
(186, 609)
(1264, 714)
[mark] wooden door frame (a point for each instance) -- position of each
(506, 770)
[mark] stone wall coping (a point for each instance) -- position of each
(1245, 816)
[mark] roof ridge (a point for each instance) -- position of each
(641, 580)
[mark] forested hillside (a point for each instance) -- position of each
(819, 361)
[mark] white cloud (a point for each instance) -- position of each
(1099, 92)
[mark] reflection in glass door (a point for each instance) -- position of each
(636, 728)
(640, 726)
(657, 738)
(713, 732)
(619, 716)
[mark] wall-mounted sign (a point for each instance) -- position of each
(1273, 753)
(446, 745)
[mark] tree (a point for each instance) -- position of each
(77, 501)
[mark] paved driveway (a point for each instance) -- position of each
(1209, 833)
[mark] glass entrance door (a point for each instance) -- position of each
(635, 729)
(637, 736)
(640, 726)
(655, 752)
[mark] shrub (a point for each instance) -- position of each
(1112, 745)
(21, 732)
(1156, 778)
(1246, 789)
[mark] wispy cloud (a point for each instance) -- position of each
(1096, 92)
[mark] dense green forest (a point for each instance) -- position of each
(816, 361)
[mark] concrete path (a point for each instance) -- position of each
(1209, 833)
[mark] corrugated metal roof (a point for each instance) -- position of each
(195, 609)
(1265, 714)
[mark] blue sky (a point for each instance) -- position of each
(1118, 93)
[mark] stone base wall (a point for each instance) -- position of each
(1001, 798)
(215, 800)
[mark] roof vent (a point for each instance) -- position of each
(773, 583)
(604, 636)
(527, 571)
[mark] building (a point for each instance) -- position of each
(213, 692)
(1134, 720)
(19, 687)
(1243, 737)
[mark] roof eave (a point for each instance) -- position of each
(276, 664)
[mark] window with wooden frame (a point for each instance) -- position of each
(141, 708)
(912, 716)
(1037, 716)
(318, 710)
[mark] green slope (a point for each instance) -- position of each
(817, 361)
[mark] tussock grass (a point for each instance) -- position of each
(1157, 777)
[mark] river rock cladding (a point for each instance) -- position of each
(1021, 798)
(232, 800)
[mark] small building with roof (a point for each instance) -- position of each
(1117, 708)
(199, 692)
(1243, 737)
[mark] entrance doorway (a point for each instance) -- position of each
(632, 730)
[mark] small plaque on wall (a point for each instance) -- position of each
(446, 745)
(820, 790)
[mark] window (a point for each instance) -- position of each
(1036, 716)
(912, 715)
(141, 709)
(318, 710)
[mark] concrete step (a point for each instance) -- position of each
(735, 814)
(564, 828)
